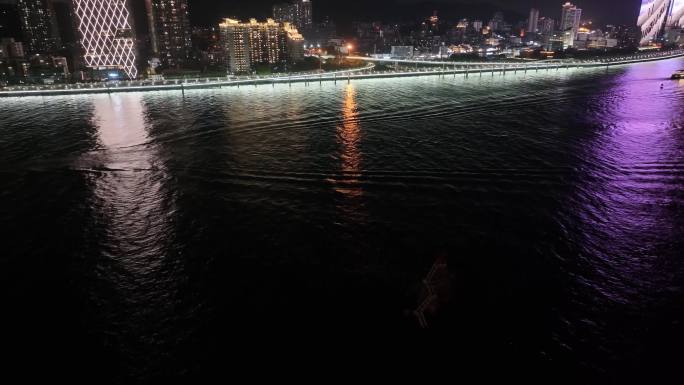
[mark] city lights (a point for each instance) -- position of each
(107, 37)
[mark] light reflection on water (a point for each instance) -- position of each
(349, 138)
(634, 185)
(323, 203)
(134, 206)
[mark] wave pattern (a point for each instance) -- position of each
(558, 198)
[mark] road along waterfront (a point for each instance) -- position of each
(440, 68)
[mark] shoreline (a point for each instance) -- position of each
(367, 72)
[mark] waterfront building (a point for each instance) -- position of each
(555, 42)
(570, 23)
(253, 43)
(294, 49)
(321, 33)
(208, 45)
(626, 36)
(533, 22)
(298, 13)
(38, 26)
(107, 36)
(170, 33)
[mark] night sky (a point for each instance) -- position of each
(601, 11)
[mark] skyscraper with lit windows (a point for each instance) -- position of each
(38, 26)
(570, 23)
(107, 35)
(169, 31)
(253, 43)
(298, 13)
(533, 21)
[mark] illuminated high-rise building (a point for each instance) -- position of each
(570, 23)
(38, 26)
(533, 22)
(107, 35)
(253, 43)
(169, 31)
(298, 13)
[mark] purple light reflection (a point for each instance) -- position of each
(633, 183)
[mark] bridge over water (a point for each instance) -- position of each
(423, 68)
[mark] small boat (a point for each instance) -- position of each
(678, 75)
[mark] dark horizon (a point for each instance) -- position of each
(207, 12)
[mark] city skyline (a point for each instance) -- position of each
(496, 182)
(606, 11)
(143, 37)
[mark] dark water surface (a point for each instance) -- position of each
(143, 232)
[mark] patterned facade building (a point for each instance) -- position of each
(107, 35)
(657, 16)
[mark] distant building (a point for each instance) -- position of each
(477, 25)
(533, 22)
(208, 44)
(12, 49)
(555, 42)
(39, 26)
(250, 44)
(675, 36)
(546, 26)
(402, 52)
(626, 36)
(298, 13)
(12, 60)
(9, 20)
(169, 31)
(570, 23)
(321, 33)
(497, 23)
(61, 62)
(294, 49)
